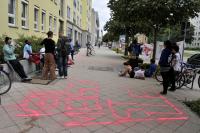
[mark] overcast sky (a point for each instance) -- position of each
(103, 10)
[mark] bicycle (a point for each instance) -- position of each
(5, 81)
(180, 80)
(190, 73)
(90, 50)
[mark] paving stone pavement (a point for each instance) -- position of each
(95, 100)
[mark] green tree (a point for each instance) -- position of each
(152, 14)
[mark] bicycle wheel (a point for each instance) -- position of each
(158, 76)
(5, 82)
(180, 81)
(93, 52)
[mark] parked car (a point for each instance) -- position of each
(194, 59)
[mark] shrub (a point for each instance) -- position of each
(194, 106)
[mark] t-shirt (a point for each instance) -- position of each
(177, 62)
(27, 51)
(42, 52)
(49, 45)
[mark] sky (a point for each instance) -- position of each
(104, 13)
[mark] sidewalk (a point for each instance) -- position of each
(95, 100)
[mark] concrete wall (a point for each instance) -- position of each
(28, 68)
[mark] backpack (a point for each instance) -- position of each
(65, 48)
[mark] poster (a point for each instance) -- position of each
(160, 47)
(147, 51)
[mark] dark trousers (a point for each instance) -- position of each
(62, 65)
(168, 78)
(18, 68)
(72, 54)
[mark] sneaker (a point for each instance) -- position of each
(28, 79)
(65, 77)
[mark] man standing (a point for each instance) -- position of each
(10, 58)
(63, 49)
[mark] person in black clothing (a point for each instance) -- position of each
(49, 64)
(165, 68)
(63, 50)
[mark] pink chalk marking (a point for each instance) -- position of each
(86, 115)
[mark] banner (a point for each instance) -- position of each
(160, 47)
(147, 51)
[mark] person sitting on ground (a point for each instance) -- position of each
(150, 72)
(10, 58)
(127, 70)
(129, 66)
(27, 50)
(139, 74)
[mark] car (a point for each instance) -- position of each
(194, 59)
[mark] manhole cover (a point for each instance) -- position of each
(97, 68)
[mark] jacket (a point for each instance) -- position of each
(8, 51)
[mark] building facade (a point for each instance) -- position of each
(196, 23)
(37, 17)
(95, 27)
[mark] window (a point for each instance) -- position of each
(77, 5)
(43, 24)
(55, 25)
(50, 23)
(68, 12)
(69, 32)
(80, 9)
(74, 3)
(74, 18)
(24, 15)
(11, 12)
(36, 16)
(77, 20)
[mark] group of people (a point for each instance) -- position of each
(134, 67)
(51, 56)
(170, 66)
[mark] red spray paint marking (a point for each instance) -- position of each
(78, 106)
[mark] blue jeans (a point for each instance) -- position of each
(62, 65)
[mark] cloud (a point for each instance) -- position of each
(104, 12)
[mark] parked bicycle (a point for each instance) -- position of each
(185, 77)
(5, 81)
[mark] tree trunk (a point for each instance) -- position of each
(126, 44)
(155, 42)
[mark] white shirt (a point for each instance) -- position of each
(177, 62)
(139, 74)
(42, 53)
(27, 48)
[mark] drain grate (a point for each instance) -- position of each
(97, 68)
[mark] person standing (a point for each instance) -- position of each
(136, 48)
(175, 62)
(165, 67)
(63, 50)
(27, 50)
(10, 58)
(49, 61)
(72, 49)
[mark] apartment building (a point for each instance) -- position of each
(37, 17)
(29, 17)
(95, 27)
(196, 23)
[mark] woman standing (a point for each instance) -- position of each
(165, 68)
(49, 64)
